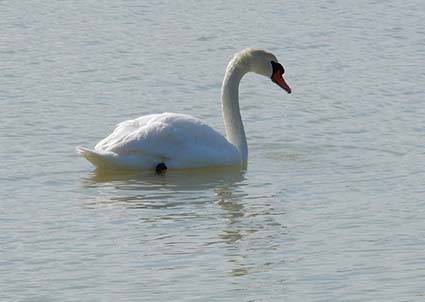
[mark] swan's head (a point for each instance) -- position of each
(266, 64)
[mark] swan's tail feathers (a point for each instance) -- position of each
(100, 159)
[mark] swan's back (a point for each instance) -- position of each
(178, 140)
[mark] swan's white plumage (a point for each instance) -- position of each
(183, 141)
(179, 140)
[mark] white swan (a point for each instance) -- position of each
(172, 140)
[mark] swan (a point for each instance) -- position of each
(173, 141)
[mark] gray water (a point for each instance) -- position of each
(330, 208)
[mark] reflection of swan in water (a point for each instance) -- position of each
(213, 198)
(180, 180)
(142, 189)
(233, 233)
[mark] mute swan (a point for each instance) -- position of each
(172, 140)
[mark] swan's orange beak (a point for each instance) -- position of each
(277, 78)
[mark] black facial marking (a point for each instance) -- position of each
(277, 67)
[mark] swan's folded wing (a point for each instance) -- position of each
(153, 139)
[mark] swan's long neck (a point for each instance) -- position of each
(230, 101)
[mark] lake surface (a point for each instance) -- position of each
(330, 208)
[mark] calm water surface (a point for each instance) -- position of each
(331, 207)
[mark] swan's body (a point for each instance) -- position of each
(183, 141)
(178, 140)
